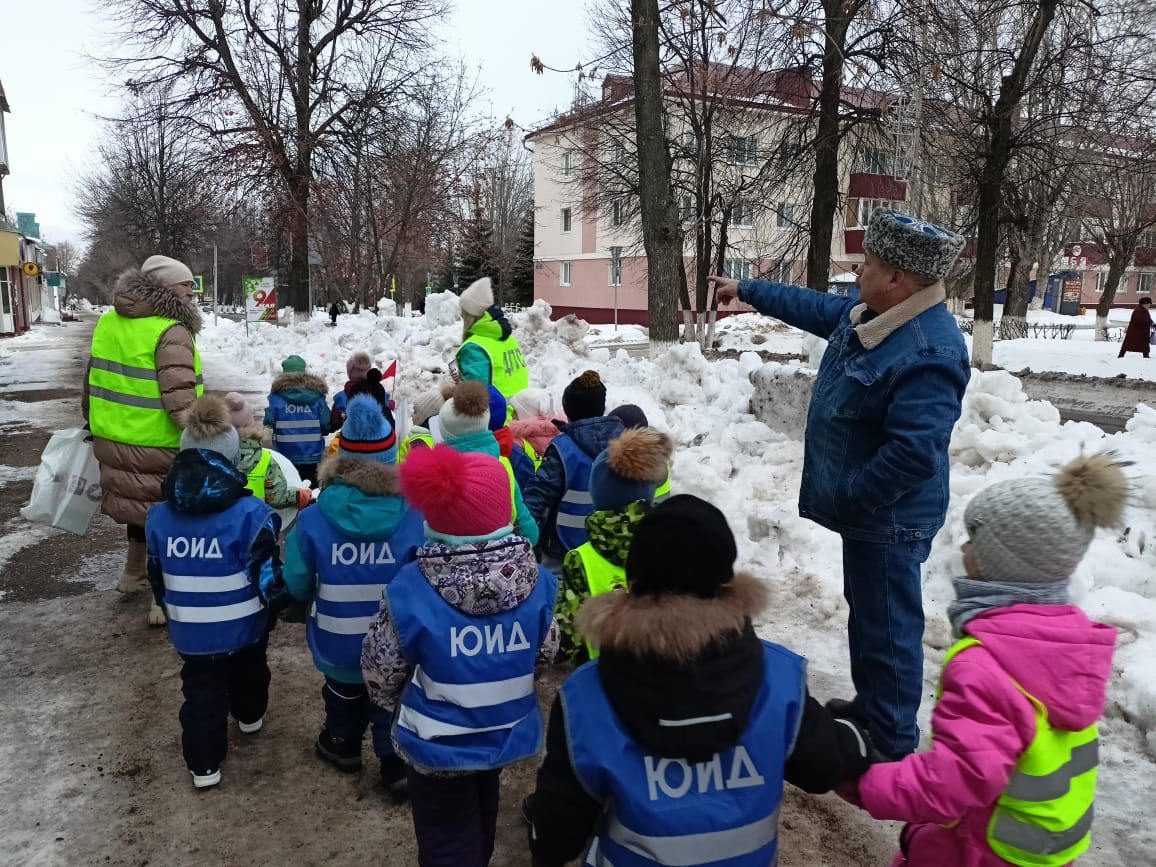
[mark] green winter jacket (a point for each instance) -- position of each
(278, 494)
(611, 532)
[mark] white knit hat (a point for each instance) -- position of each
(478, 298)
(166, 271)
(467, 412)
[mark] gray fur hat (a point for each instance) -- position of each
(905, 242)
(1037, 530)
(207, 426)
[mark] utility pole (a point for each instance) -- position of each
(216, 296)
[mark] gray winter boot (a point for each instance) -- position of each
(135, 575)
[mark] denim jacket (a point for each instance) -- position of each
(888, 393)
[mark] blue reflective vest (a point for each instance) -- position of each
(352, 576)
(211, 604)
(470, 704)
(297, 430)
(723, 812)
(576, 505)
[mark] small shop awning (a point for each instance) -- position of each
(9, 249)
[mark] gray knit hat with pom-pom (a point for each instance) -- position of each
(1037, 530)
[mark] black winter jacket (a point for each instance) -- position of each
(678, 657)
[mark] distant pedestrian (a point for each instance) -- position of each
(143, 374)
(875, 463)
(1138, 337)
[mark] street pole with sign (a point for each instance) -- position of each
(216, 294)
(615, 277)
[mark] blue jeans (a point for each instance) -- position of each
(882, 585)
(349, 712)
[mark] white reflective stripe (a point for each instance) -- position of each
(343, 625)
(306, 423)
(595, 858)
(212, 613)
(298, 438)
(350, 592)
(577, 522)
(206, 584)
(689, 850)
(580, 498)
(694, 721)
(475, 694)
(427, 728)
(1036, 840)
(855, 731)
(1049, 787)
(124, 369)
(125, 399)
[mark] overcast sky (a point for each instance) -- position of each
(56, 95)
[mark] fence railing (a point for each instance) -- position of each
(1040, 330)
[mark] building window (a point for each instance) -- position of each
(565, 274)
(567, 219)
(690, 145)
(873, 161)
(1123, 287)
(785, 216)
(742, 150)
(567, 163)
(741, 214)
(617, 153)
(1101, 281)
(1144, 287)
(738, 269)
(617, 213)
(859, 211)
(784, 272)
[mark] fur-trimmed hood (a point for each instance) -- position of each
(695, 662)
(361, 498)
(370, 477)
(258, 433)
(137, 295)
(287, 382)
(675, 628)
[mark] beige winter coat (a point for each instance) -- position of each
(130, 475)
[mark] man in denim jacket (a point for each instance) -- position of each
(875, 471)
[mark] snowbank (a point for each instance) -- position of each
(750, 464)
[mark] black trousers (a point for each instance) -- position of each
(135, 532)
(455, 818)
(215, 687)
(308, 473)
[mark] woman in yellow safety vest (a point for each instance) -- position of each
(143, 373)
(623, 482)
(1011, 774)
(489, 353)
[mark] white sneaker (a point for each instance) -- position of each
(250, 728)
(204, 781)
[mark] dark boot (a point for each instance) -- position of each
(343, 753)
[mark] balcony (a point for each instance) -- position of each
(868, 186)
(853, 240)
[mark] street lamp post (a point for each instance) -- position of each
(616, 277)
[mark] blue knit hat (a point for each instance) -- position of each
(630, 469)
(498, 412)
(367, 434)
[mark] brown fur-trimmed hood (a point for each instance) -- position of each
(137, 295)
(287, 381)
(675, 628)
(369, 477)
(258, 432)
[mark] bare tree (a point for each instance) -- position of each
(284, 74)
(64, 258)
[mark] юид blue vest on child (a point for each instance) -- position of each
(576, 505)
(471, 703)
(724, 811)
(352, 573)
(297, 429)
(211, 603)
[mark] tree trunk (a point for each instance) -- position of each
(661, 232)
(1116, 267)
(825, 202)
(1013, 323)
(991, 179)
(297, 286)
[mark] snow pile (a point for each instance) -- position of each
(752, 471)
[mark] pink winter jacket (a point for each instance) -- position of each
(982, 724)
(540, 431)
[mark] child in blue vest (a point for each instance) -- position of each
(455, 648)
(559, 497)
(672, 747)
(299, 416)
(339, 558)
(213, 564)
(465, 423)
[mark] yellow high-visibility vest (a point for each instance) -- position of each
(124, 391)
(602, 576)
(259, 474)
(1043, 818)
(507, 367)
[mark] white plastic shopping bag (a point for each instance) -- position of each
(66, 493)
